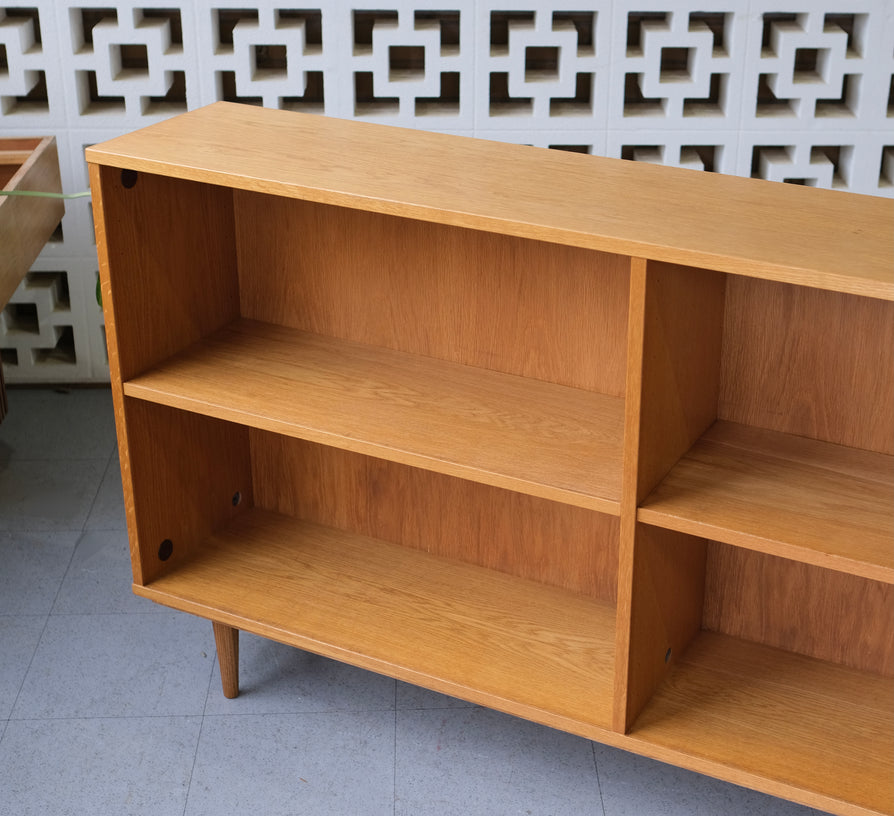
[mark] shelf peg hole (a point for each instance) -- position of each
(237, 499)
(165, 549)
(667, 654)
(128, 178)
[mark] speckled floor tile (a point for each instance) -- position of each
(118, 666)
(124, 766)
(33, 566)
(455, 762)
(334, 764)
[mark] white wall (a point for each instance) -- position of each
(795, 91)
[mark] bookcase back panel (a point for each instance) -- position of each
(831, 615)
(172, 259)
(509, 304)
(552, 543)
(809, 362)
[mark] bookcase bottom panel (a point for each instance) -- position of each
(789, 725)
(535, 651)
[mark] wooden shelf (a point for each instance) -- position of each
(798, 498)
(790, 725)
(524, 647)
(406, 408)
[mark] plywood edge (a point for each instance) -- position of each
(738, 775)
(792, 552)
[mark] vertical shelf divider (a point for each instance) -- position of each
(675, 330)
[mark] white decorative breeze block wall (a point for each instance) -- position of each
(802, 92)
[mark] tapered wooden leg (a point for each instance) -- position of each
(227, 640)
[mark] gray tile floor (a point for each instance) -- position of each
(112, 705)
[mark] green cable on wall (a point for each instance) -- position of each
(41, 194)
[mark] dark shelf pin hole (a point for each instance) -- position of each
(165, 549)
(237, 498)
(667, 655)
(128, 178)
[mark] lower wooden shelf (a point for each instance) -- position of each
(522, 647)
(792, 726)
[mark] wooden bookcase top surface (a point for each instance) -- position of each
(820, 238)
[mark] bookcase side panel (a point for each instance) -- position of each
(548, 542)
(809, 362)
(520, 306)
(190, 474)
(830, 615)
(171, 264)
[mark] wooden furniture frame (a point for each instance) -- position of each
(26, 224)
(600, 444)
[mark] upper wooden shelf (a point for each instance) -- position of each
(819, 238)
(526, 435)
(798, 498)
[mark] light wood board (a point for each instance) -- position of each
(527, 648)
(799, 498)
(539, 438)
(813, 237)
(789, 725)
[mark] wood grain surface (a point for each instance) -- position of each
(835, 616)
(789, 725)
(515, 533)
(495, 639)
(547, 440)
(799, 498)
(809, 362)
(539, 310)
(748, 226)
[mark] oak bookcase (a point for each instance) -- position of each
(600, 444)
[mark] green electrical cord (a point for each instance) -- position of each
(41, 194)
